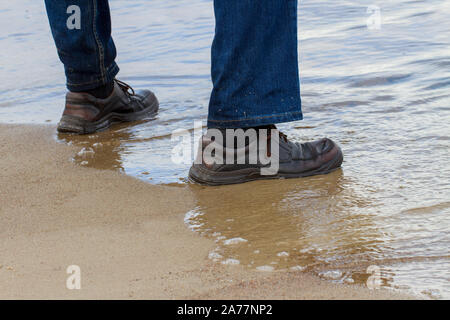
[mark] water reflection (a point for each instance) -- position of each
(100, 150)
(132, 148)
(304, 224)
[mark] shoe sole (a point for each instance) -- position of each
(71, 124)
(203, 176)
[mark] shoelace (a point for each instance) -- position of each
(125, 87)
(281, 134)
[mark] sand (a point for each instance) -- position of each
(127, 236)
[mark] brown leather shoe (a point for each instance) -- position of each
(85, 113)
(294, 160)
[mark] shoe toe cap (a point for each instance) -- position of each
(147, 98)
(324, 145)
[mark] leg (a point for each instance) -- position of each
(256, 84)
(95, 99)
(254, 64)
(87, 53)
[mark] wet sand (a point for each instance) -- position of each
(127, 236)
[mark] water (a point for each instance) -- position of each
(383, 94)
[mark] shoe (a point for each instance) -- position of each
(295, 160)
(85, 113)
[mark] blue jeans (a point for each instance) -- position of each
(254, 57)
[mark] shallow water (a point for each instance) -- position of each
(383, 94)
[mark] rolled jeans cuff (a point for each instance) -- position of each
(78, 82)
(256, 121)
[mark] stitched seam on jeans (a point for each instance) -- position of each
(100, 47)
(255, 118)
(92, 18)
(294, 26)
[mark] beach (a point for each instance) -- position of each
(374, 78)
(127, 236)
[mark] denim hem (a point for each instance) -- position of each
(92, 82)
(256, 121)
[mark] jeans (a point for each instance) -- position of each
(254, 57)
